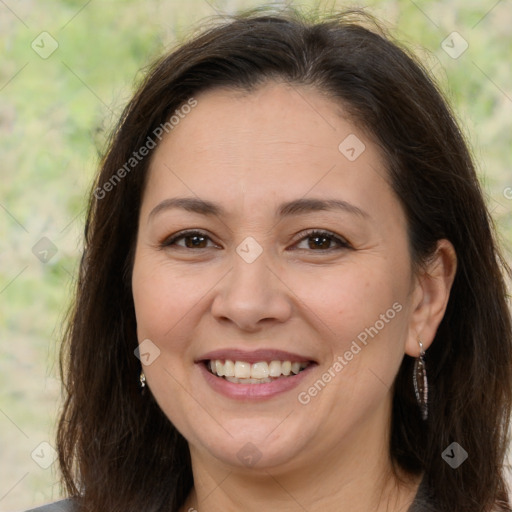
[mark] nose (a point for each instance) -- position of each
(252, 295)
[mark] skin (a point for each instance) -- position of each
(250, 152)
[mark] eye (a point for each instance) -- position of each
(192, 240)
(322, 241)
(317, 240)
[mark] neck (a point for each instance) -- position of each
(355, 476)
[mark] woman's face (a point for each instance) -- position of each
(254, 176)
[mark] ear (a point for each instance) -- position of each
(430, 297)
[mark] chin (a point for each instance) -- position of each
(255, 447)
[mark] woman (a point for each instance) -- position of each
(291, 296)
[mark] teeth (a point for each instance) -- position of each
(229, 369)
(295, 368)
(286, 367)
(248, 381)
(219, 368)
(241, 371)
(259, 370)
(274, 368)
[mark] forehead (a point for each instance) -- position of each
(276, 141)
(282, 119)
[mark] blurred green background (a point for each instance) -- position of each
(55, 112)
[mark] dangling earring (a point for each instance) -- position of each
(420, 382)
(142, 380)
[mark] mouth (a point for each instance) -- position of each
(260, 372)
(254, 375)
(249, 381)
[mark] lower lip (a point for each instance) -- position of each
(253, 391)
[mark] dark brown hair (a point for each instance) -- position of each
(117, 450)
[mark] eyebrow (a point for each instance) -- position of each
(295, 207)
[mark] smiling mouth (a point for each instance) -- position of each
(243, 372)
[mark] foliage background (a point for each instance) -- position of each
(55, 114)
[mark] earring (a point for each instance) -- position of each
(420, 382)
(142, 380)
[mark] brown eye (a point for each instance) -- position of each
(319, 242)
(191, 239)
(194, 241)
(323, 241)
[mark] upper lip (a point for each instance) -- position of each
(255, 356)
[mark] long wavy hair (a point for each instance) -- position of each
(117, 450)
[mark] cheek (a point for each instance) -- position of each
(359, 314)
(348, 299)
(164, 302)
(365, 316)
(163, 296)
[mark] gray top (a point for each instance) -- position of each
(423, 502)
(58, 506)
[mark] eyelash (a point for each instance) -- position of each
(342, 243)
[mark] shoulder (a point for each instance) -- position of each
(59, 506)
